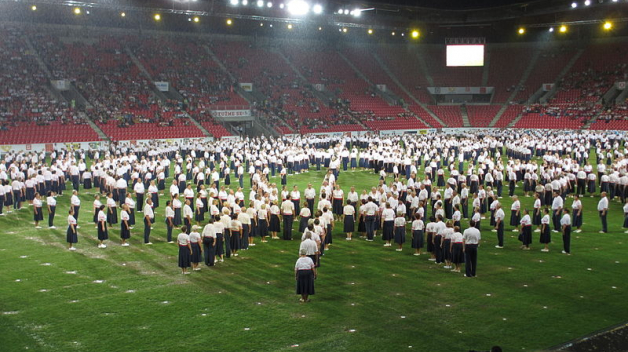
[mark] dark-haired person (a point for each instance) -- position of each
(470, 241)
(185, 250)
(51, 204)
(305, 273)
(348, 218)
(169, 221)
(149, 219)
(125, 228)
(236, 235)
(71, 235)
(103, 234)
(565, 223)
(112, 210)
(38, 214)
(499, 225)
(546, 233)
(537, 213)
(209, 243)
(526, 230)
(602, 208)
(400, 230)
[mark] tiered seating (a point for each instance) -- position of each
(405, 123)
(403, 63)
(443, 76)
(28, 113)
(450, 115)
(362, 58)
(217, 130)
(593, 74)
(506, 68)
(615, 118)
(482, 115)
(512, 111)
(555, 116)
(180, 128)
(425, 116)
(547, 68)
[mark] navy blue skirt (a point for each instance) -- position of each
(71, 236)
(184, 257)
(388, 230)
(400, 235)
(349, 223)
(196, 253)
(417, 239)
(305, 282)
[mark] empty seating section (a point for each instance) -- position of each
(404, 64)
(511, 112)
(424, 115)
(28, 111)
(482, 115)
(547, 68)
(507, 65)
(450, 115)
(180, 128)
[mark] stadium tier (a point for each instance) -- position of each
(296, 86)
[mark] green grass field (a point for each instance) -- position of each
(369, 298)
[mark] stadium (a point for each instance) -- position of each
(163, 162)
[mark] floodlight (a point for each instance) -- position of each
(298, 7)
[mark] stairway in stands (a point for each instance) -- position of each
(387, 70)
(515, 91)
(465, 116)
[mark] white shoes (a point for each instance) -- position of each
(578, 231)
(544, 250)
(537, 230)
(102, 246)
(498, 246)
(38, 227)
(72, 249)
(52, 227)
(398, 249)
(515, 230)
(125, 245)
(148, 243)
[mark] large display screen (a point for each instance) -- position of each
(465, 55)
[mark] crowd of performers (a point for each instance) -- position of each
(462, 177)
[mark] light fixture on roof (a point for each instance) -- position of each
(77, 10)
(356, 13)
(551, 29)
(587, 2)
(370, 31)
(563, 29)
(245, 2)
(298, 7)
(229, 22)
(234, 2)
(157, 17)
(269, 4)
(574, 5)
(260, 3)
(34, 7)
(521, 30)
(608, 25)
(196, 19)
(317, 9)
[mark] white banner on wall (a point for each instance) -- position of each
(162, 86)
(247, 87)
(460, 90)
(231, 113)
(61, 84)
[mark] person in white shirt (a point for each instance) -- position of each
(287, 213)
(125, 228)
(515, 213)
(187, 215)
(305, 273)
(139, 190)
(195, 245)
(557, 208)
(103, 234)
(400, 230)
(149, 219)
(546, 233)
(185, 250)
(51, 203)
(169, 221)
(370, 211)
(526, 230)
(471, 239)
(456, 249)
(565, 223)
(38, 214)
(71, 235)
(602, 208)
(417, 234)
(130, 209)
(75, 202)
(577, 213)
(388, 223)
(348, 218)
(209, 244)
(499, 225)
